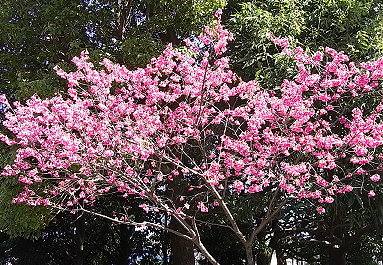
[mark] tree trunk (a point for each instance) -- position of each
(264, 257)
(171, 36)
(125, 235)
(165, 243)
(182, 249)
(249, 255)
(79, 240)
(123, 17)
(336, 256)
(281, 259)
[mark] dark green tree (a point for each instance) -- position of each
(350, 25)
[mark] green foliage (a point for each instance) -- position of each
(183, 16)
(32, 43)
(16, 219)
(367, 251)
(228, 250)
(253, 53)
(350, 25)
(160, 22)
(138, 52)
(20, 220)
(36, 35)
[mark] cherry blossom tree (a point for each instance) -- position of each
(186, 118)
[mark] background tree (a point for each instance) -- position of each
(348, 25)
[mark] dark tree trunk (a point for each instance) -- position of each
(182, 250)
(165, 244)
(336, 256)
(264, 257)
(79, 240)
(171, 36)
(281, 259)
(21, 250)
(123, 18)
(125, 235)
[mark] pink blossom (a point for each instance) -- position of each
(146, 180)
(318, 57)
(132, 139)
(144, 207)
(348, 188)
(375, 178)
(328, 200)
(254, 188)
(282, 42)
(201, 206)
(320, 210)
(218, 13)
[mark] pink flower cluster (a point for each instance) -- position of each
(127, 131)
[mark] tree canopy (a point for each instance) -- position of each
(200, 148)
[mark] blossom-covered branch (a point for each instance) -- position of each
(187, 116)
